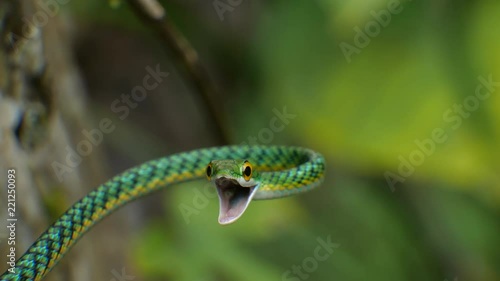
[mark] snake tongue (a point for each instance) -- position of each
(233, 199)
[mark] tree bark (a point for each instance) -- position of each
(42, 115)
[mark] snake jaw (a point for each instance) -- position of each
(233, 199)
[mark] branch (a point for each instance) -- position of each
(153, 14)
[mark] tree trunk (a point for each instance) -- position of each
(42, 115)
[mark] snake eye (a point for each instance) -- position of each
(247, 170)
(209, 170)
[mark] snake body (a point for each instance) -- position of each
(283, 171)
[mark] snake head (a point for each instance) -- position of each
(236, 186)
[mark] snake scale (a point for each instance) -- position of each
(240, 174)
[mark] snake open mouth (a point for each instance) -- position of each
(233, 199)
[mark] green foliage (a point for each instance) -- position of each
(364, 113)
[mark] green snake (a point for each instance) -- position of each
(240, 174)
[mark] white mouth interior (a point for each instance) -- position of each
(233, 199)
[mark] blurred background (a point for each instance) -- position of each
(401, 97)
